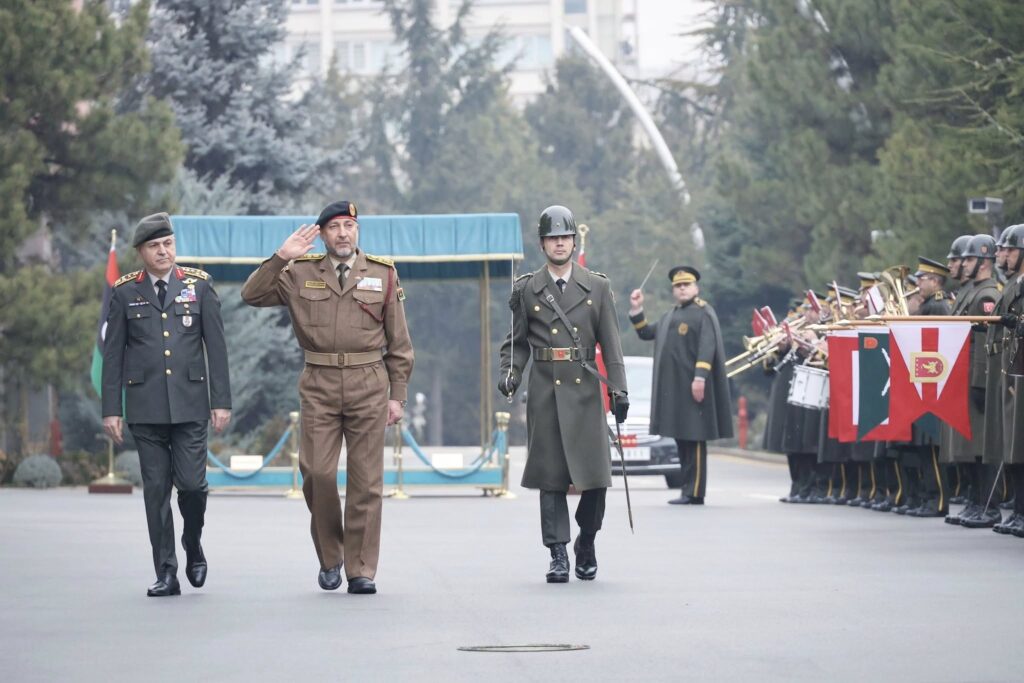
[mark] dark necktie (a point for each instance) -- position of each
(561, 285)
(161, 294)
(341, 275)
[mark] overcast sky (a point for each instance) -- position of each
(661, 22)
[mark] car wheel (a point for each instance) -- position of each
(674, 480)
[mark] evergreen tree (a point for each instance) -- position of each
(212, 61)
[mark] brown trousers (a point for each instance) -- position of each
(349, 404)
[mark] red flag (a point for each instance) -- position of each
(842, 346)
(769, 316)
(930, 373)
(758, 323)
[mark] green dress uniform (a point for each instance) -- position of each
(688, 345)
(567, 432)
(165, 352)
(1012, 402)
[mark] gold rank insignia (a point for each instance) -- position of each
(127, 278)
(311, 257)
(189, 281)
(683, 329)
(380, 259)
(195, 272)
(316, 284)
(401, 294)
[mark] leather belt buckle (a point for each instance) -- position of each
(561, 354)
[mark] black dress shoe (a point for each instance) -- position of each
(1007, 505)
(330, 579)
(195, 562)
(984, 519)
(686, 500)
(926, 511)
(164, 586)
(855, 502)
(1017, 528)
(586, 558)
(1007, 526)
(882, 506)
(360, 585)
(558, 572)
(958, 500)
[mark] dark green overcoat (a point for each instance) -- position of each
(567, 432)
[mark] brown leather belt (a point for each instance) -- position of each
(563, 354)
(343, 360)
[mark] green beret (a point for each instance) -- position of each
(152, 227)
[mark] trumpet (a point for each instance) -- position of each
(767, 349)
(769, 339)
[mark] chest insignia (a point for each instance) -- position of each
(372, 284)
(315, 284)
(683, 329)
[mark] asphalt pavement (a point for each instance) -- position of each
(742, 589)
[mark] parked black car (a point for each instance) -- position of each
(646, 454)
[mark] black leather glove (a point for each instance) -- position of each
(508, 383)
(620, 405)
(1010, 321)
(978, 397)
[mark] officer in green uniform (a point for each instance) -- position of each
(992, 450)
(977, 297)
(561, 313)
(1012, 376)
(690, 391)
(920, 457)
(165, 351)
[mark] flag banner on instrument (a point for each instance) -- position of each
(873, 362)
(930, 373)
(876, 301)
(842, 348)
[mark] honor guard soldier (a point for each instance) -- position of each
(164, 350)
(1011, 390)
(560, 314)
(977, 297)
(690, 391)
(958, 473)
(348, 317)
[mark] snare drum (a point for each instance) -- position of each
(809, 388)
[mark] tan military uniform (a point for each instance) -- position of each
(358, 354)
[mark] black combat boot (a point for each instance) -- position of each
(586, 556)
(558, 572)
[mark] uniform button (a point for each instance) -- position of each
(164, 316)
(167, 352)
(536, 308)
(558, 382)
(590, 302)
(129, 381)
(575, 329)
(578, 380)
(554, 330)
(168, 371)
(138, 315)
(166, 333)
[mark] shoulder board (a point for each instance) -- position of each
(195, 272)
(311, 257)
(939, 296)
(381, 259)
(594, 272)
(127, 278)
(999, 286)
(523, 277)
(700, 302)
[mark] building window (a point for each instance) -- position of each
(575, 6)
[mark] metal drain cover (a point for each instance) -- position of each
(541, 647)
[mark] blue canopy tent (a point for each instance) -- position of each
(445, 246)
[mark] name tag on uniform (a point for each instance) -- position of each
(316, 284)
(372, 284)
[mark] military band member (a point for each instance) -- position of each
(834, 458)
(561, 312)
(922, 473)
(348, 317)
(779, 365)
(977, 297)
(165, 351)
(1011, 390)
(864, 481)
(690, 397)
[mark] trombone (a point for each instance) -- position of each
(769, 339)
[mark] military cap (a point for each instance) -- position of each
(867, 280)
(683, 274)
(912, 279)
(956, 249)
(151, 228)
(927, 266)
(847, 295)
(1013, 237)
(335, 209)
(981, 246)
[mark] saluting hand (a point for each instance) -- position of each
(299, 243)
(636, 302)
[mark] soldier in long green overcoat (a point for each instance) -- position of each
(567, 432)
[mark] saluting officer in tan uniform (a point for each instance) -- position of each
(347, 313)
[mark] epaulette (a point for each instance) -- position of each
(999, 286)
(195, 272)
(381, 259)
(700, 302)
(594, 272)
(311, 257)
(939, 296)
(127, 278)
